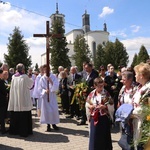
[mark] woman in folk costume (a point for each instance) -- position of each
(140, 98)
(125, 97)
(20, 104)
(97, 100)
(49, 106)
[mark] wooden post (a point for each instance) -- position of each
(48, 35)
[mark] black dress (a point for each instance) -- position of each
(20, 123)
(3, 105)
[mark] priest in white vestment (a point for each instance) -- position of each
(20, 104)
(49, 109)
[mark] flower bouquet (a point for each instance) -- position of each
(80, 94)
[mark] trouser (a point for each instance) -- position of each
(2, 118)
(83, 116)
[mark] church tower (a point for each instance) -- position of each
(105, 27)
(57, 16)
(86, 22)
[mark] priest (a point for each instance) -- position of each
(20, 104)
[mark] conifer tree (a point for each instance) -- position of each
(17, 50)
(134, 62)
(142, 55)
(121, 55)
(81, 51)
(116, 54)
(1, 63)
(109, 53)
(58, 49)
(100, 57)
(36, 67)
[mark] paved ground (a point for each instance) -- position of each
(69, 137)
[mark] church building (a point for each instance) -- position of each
(93, 38)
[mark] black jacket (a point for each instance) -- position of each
(3, 93)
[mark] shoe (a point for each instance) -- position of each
(81, 123)
(77, 118)
(55, 127)
(48, 128)
(69, 116)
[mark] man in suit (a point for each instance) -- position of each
(89, 77)
(75, 78)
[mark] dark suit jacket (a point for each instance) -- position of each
(77, 78)
(3, 93)
(63, 91)
(90, 81)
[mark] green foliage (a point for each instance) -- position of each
(109, 53)
(58, 48)
(1, 63)
(100, 57)
(17, 50)
(81, 51)
(121, 55)
(36, 67)
(134, 62)
(116, 54)
(142, 55)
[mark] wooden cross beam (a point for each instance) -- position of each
(48, 35)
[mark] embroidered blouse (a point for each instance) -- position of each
(126, 96)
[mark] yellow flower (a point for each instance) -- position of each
(148, 118)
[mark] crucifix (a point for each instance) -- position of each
(48, 35)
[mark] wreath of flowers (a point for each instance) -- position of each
(80, 94)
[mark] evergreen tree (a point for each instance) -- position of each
(116, 54)
(1, 63)
(134, 62)
(121, 55)
(58, 48)
(17, 50)
(81, 51)
(36, 67)
(100, 57)
(109, 53)
(142, 55)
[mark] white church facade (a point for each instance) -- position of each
(93, 38)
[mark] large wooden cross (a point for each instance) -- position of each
(48, 35)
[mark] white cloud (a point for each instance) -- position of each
(118, 33)
(27, 21)
(133, 46)
(135, 28)
(106, 11)
(135, 43)
(29, 24)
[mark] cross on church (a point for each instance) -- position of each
(48, 35)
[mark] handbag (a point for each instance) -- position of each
(123, 142)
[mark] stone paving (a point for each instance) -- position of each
(69, 137)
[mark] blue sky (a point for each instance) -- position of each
(127, 20)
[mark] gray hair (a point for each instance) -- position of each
(20, 67)
(128, 75)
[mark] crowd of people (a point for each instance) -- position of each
(108, 95)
